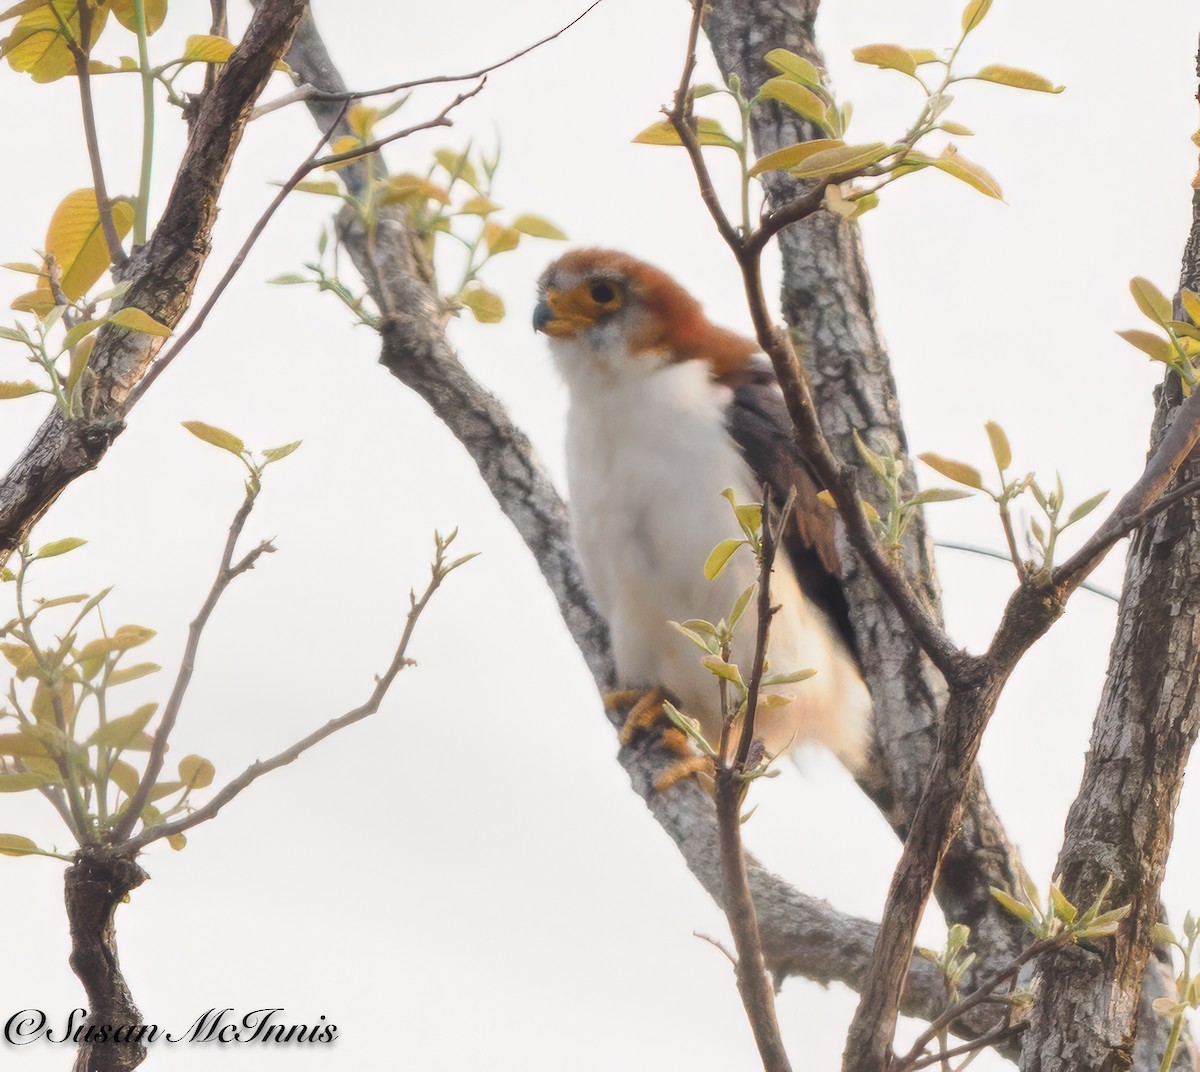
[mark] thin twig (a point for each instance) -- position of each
(257, 769)
(228, 571)
(116, 251)
(730, 776)
(396, 87)
(973, 1047)
(234, 266)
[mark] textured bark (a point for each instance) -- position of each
(161, 275)
(1121, 822)
(95, 885)
(828, 302)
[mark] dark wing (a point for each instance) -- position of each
(758, 420)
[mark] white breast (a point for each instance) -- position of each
(648, 456)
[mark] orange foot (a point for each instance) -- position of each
(646, 716)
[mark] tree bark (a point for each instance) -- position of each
(161, 275)
(96, 884)
(1122, 820)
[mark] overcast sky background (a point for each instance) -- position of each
(466, 880)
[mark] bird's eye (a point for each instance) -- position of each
(602, 293)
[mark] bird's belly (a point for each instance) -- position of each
(647, 510)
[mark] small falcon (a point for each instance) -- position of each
(666, 411)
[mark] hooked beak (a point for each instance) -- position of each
(542, 315)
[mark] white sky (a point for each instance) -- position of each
(466, 880)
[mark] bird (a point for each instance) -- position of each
(665, 411)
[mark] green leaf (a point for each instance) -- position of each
(789, 679)
(1085, 508)
(138, 320)
(121, 732)
(1001, 451)
(719, 557)
(536, 227)
(218, 437)
(804, 102)
(1017, 78)
(875, 461)
(59, 547)
(888, 57)
(792, 66)
(959, 472)
(705, 644)
(1017, 908)
(288, 279)
(81, 331)
(79, 361)
(124, 776)
(130, 636)
(739, 608)
(19, 783)
(1161, 934)
(1062, 907)
(479, 205)
(974, 14)
(788, 157)
(966, 171)
(486, 305)
(178, 842)
(196, 772)
(1150, 300)
(936, 495)
(842, 160)
(16, 845)
(18, 390)
(277, 454)
(722, 669)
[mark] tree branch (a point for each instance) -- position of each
(161, 275)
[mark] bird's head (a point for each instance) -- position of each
(607, 310)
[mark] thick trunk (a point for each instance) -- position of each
(1121, 823)
(95, 885)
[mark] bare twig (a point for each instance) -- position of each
(226, 573)
(315, 94)
(754, 985)
(79, 52)
(235, 265)
(289, 755)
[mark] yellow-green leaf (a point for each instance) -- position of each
(791, 155)
(841, 160)
(139, 320)
(130, 636)
(412, 187)
(79, 359)
(486, 306)
(1150, 300)
(326, 187)
(277, 454)
(60, 547)
(708, 132)
(1001, 450)
(218, 437)
(37, 43)
(793, 66)
(1018, 908)
(887, 57)
(973, 14)
(155, 12)
(18, 783)
(536, 227)
(972, 174)
(826, 497)
(39, 302)
(81, 331)
(196, 772)
(132, 673)
(801, 100)
(16, 845)
(18, 390)
(121, 732)
(959, 472)
(479, 205)
(457, 166)
(75, 238)
(124, 776)
(719, 557)
(500, 239)
(207, 48)
(1085, 508)
(1154, 346)
(1017, 78)
(21, 744)
(721, 668)
(1191, 306)
(177, 841)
